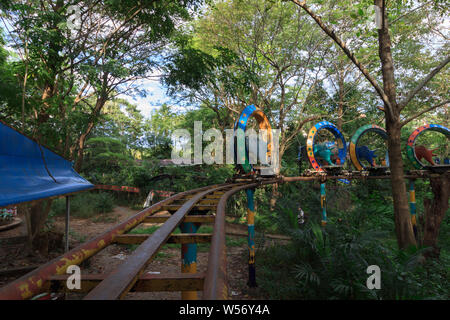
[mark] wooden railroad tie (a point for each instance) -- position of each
(145, 283)
(193, 218)
(174, 238)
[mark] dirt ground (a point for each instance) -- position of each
(13, 255)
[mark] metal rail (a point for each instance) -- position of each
(422, 174)
(122, 279)
(38, 281)
(128, 277)
(215, 286)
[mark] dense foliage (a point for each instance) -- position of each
(331, 262)
(69, 89)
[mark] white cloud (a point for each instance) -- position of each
(156, 96)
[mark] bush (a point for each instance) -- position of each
(331, 263)
(84, 205)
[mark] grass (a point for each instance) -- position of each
(79, 237)
(85, 205)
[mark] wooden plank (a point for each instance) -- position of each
(146, 283)
(175, 238)
(175, 207)
(32, 283)
(209, 196)
(124, 277)
(210, 202)
(193, 218)
(204, 202)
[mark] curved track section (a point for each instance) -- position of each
(355, 138)
(129, 276)
(240, 128)
(325, 125)
(410, 152)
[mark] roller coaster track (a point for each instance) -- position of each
(129, 276)
(202, 205)
(193, 207)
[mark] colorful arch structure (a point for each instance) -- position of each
(410, 152)
(342, 146)
(355, 138)
(241, 149)
(263, 123)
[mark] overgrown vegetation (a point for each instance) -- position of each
(85, 205)
(331, 262)
(71, 89)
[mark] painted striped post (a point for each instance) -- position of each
(323, 203)
(412, 205)
(251, 238)
(189, 257)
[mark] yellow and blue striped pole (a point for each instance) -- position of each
(412, 205)
(189, 257)
(251, 238)
(323, 203)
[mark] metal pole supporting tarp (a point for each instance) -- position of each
(67, 223)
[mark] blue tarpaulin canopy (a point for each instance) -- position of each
(29, 171)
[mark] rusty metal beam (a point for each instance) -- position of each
(216, 287)
(216, 276)
(32, 283)
(123, 278)
(358, 176)
(193, 218)
(175, 238)
(175, 207)
(146, 283)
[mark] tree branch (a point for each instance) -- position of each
(419, 87)
(422, 112)
(300, 126)
(349, 54)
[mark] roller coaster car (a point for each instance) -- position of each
(253, 176)
(242, 177)
(257, 170)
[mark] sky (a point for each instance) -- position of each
(156, 96)
(156, 93)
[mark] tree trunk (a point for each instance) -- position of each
(39, 213)
(435, 211)
(82, 139)
(36, 216)
(81, 144)
(274, 196)
(403, 224)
